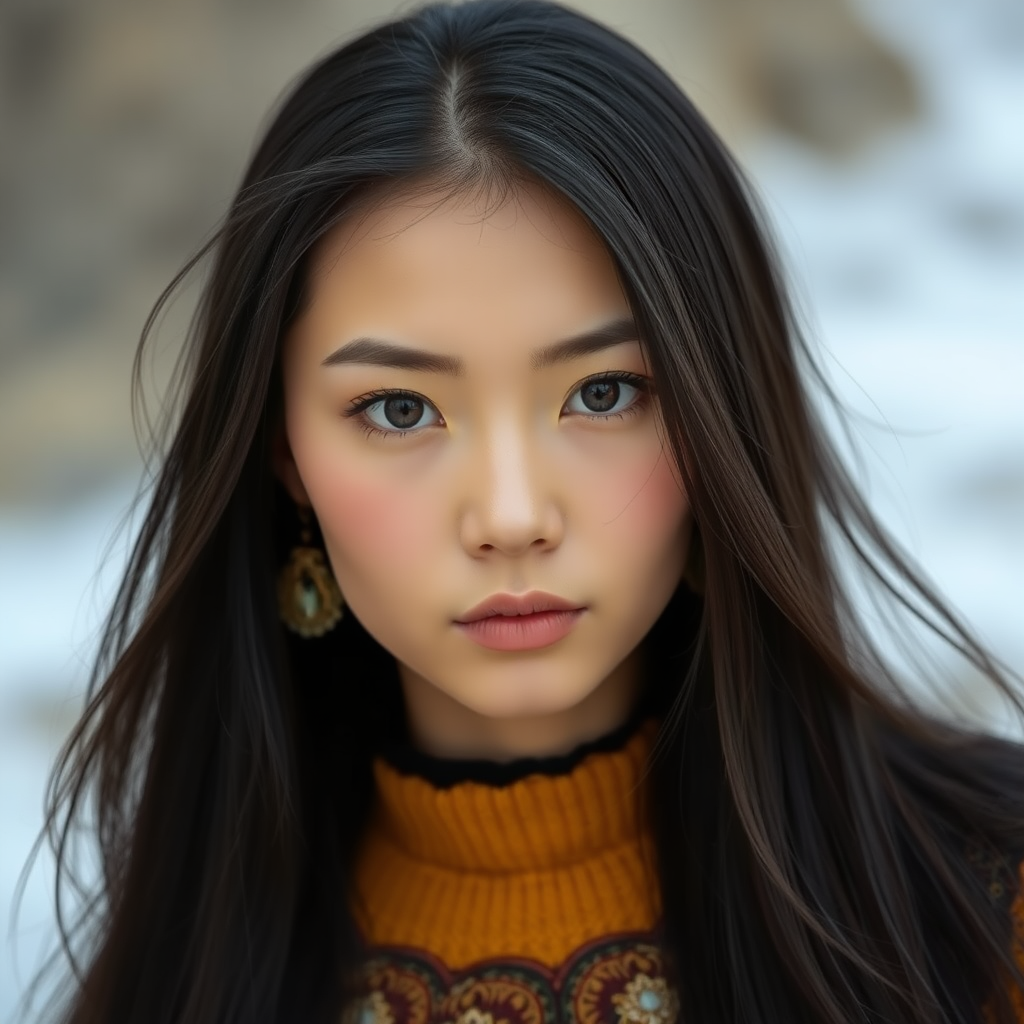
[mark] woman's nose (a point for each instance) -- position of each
(512, 497)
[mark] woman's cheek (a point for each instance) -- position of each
(635, 492)
(661, 504)
(372, 525)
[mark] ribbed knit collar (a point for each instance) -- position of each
(444, 772)
(546, 820)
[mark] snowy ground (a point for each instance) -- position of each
(910, 266)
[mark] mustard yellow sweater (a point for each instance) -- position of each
(520, 903)
(527, 902)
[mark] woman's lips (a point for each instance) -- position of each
(518, 604)
(521, 632)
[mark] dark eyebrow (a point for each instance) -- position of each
(377, 352)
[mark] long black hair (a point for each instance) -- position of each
(818, 838)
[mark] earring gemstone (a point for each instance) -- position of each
(308, 597)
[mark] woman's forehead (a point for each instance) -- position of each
(436, 225)
(441, 259)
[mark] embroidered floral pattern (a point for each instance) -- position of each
(474, 1016)
(397, 993)
(996, 870)
(647, 1001)
(606, 986)
(373, 1009)
(614, 981)
(497, 995)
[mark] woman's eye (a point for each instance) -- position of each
(400, 413)
(404, 413)
(608, 396)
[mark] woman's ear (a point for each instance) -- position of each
(283, 463)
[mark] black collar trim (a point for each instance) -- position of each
(444, 773)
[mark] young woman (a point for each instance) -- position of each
(482, 657)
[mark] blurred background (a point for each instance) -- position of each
(886, 141)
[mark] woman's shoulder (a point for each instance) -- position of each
(1017, 938)
(962, 833)
(976, 887)
(1002, 873)
(1000, 869)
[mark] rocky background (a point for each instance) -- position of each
(887, 141)
(127, 123)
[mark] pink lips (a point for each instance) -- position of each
(506, 622)
(522, 604)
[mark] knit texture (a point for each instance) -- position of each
(534, 902)
(1017, 914)
(535, 869)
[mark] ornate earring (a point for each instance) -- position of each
(308, 597)
(694, 575)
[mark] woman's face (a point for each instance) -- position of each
(454, 447)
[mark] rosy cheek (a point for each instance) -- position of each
(661, 503)
(637, 495)
(371, 523)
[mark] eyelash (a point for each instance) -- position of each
(358, 407)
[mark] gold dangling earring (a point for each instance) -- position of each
(308, 597)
